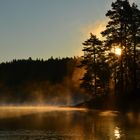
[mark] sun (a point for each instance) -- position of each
(118, 51)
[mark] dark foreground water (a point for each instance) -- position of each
(32, 123)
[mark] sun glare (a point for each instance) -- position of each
(118, 51)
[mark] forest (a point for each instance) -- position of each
(106, 76)
(51, 82)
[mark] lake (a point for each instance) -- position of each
(54, 123)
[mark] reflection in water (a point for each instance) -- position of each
(53, 123)
(117, 133)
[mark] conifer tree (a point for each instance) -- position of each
(122, 30)
(95, 65)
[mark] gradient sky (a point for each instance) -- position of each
(45, 28)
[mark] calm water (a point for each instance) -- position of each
(67, 124)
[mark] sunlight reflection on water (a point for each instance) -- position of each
(56, 123)
(117, 133)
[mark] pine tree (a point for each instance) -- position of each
(95, 65)
(134, 41)
(123, 30)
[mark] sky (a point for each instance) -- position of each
(45, 28)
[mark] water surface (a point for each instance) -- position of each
(53, 123)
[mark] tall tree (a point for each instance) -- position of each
(134, 40)
(123, 30)
(95, 65)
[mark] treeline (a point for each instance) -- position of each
(52, 81)
(19, 71)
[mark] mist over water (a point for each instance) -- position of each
(18, 111)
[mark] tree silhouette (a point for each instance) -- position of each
(134, 39)
(123, 30)
(95, 64)
(102, 64)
